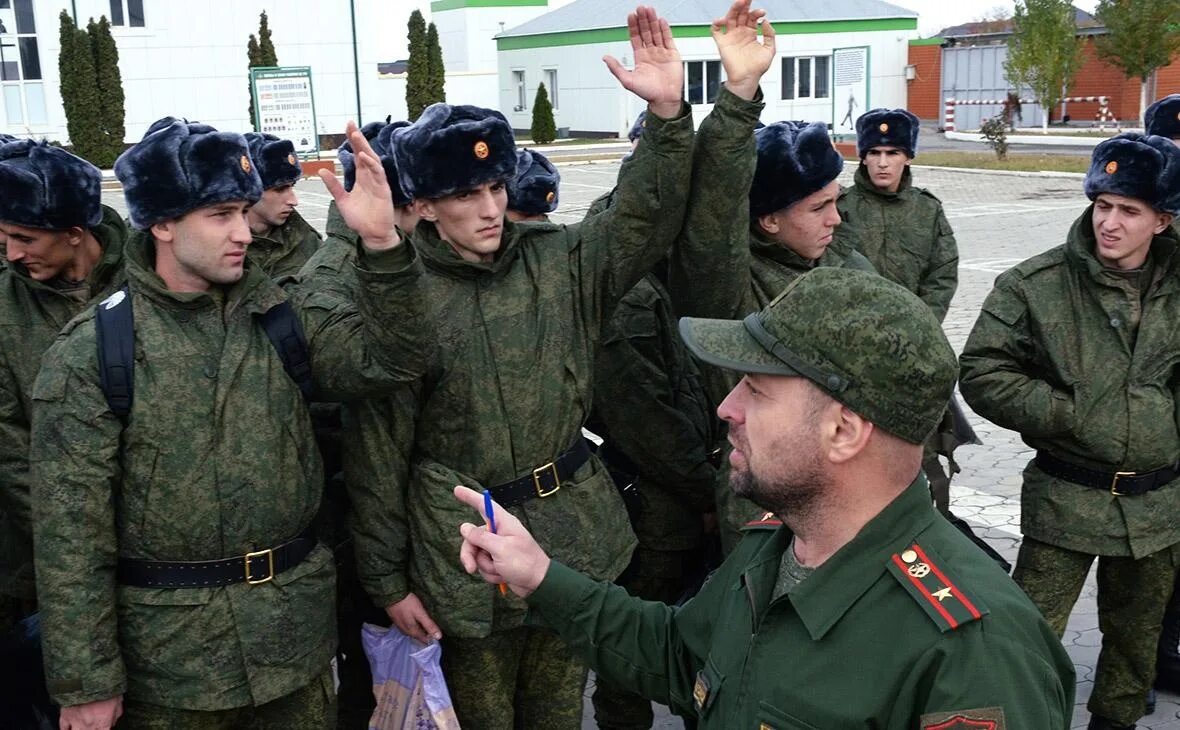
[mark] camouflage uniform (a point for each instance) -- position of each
(31, 315)
(215, 459)
(1081, 361)
(508, 391)
(906, 236)
(284, 249)
(661, 431)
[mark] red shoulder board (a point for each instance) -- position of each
(927, 582)
(768, 521)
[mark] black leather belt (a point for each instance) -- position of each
(544, 481)
(1120, 483)
(253, 568)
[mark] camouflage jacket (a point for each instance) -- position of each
(906, 236)
(286, 249)
(1073, 358)
(509, 390)
(216, 459)
(31, 315)
(651, 405)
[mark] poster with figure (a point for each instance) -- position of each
(285, 105)
(850, 87)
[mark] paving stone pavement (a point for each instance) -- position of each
(999, 220)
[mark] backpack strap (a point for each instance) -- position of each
(114, 324)
(285, 332)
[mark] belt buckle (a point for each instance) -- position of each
(1114, 483)
(270, 559)
(539, 472)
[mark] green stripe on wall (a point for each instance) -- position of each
(927, 42)
(440, 5)
(611, 35)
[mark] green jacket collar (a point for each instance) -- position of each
(823, 599)
(336, 226)
(286, 237)
(862, 182)
(111, 233)
(1081, 243)
(763, 247)
(437, 254)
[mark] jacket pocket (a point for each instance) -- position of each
(772, 718)
(174, 634)
(290, 616)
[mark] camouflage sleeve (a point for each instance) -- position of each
(367, 348)
(646, 415)
(617, 247)
(14, 455)
(998, 370)
(74, 457)
(941, 277)
(710, 265)
(378, 439)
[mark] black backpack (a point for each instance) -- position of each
(115, 325)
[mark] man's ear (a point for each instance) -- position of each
(769, 223)
(1165, 222)
(164, 230)
(848, 433)
(74, 235)
(424, 207)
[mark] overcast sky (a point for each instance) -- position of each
(934, 15)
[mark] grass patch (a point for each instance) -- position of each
(1016, 161)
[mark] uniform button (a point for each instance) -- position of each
(211, 371)
(1116, 322)
(833, 382)
(183, 318)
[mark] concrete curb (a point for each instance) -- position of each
(1010, 173)
(1047, 140)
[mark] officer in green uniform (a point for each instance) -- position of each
(66, 251)
(851, 603)
(283, 241)
(519, 311)
(1076, 350)
(179, 584)
(533, 192)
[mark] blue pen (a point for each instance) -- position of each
(487, 509)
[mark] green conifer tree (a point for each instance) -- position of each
(544, 129)
(417, 68)
(436, 90)
(109, 83)
(252, 59)
(79, 94)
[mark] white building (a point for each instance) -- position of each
(564, 49)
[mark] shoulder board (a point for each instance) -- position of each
(929, 194)
(927, 582)
(766, 522)
(1045, 260)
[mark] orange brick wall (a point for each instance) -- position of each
(1167, 80)
(925, 91)
(1099, 78)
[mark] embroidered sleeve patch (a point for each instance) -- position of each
(984, 718)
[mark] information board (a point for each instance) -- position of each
(284, 105)
(850, 87)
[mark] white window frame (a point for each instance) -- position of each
(520, 81)
(126, 10)
(550, 74)
(31, 116)
(705, 63)
(811, 77)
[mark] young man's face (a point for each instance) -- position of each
(471, 220)
(807, 226)
(204, 247)
(273, 209)
(1124, 228)
(885, 166)
(45, 254)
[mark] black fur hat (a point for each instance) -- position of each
(275, 159)
(42, 186)
(887, 128)
(1143, 167)
(380, 136)
(794, 161)
(180, 166)
(453, 148)
(534, 189)
(637, 128)
(1163, 117)
(348, 158)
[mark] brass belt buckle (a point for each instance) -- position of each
(270, 559)
(537, 474)
(1114, 483)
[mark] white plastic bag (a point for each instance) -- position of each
(408, 682)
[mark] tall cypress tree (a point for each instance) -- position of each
(436, 89)
(544, 129)
(79, 93)
(110, 90)
(266, 47)
(417, 68)
(252, 59)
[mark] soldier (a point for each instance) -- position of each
(532, 193)
(174, 470)
(1163, 118)
(851, 603)
(66, 251)
(520, 309)
(283, 241)
(1075, 349)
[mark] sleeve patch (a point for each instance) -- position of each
(985, 718)
(927, 582)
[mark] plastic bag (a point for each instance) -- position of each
(408, 682)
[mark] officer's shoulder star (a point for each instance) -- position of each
(927, 581)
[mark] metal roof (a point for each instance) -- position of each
(596, 14)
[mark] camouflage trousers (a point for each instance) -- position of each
(518, 679)
(1132, 596)
(310, 708)
(654, 575)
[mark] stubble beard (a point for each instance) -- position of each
(794, 497)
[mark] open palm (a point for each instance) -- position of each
(745, 58)
(658, 76)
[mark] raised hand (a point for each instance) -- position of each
(658, 76)
(368, 208)
(745, 58)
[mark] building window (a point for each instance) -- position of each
(551, 86)
(20, 63)
(807, 77)
(521, 91)
(702, 81)
(127, 12)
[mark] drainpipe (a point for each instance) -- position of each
(356, 63)
(74, 8)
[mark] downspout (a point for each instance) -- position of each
(356, 63)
